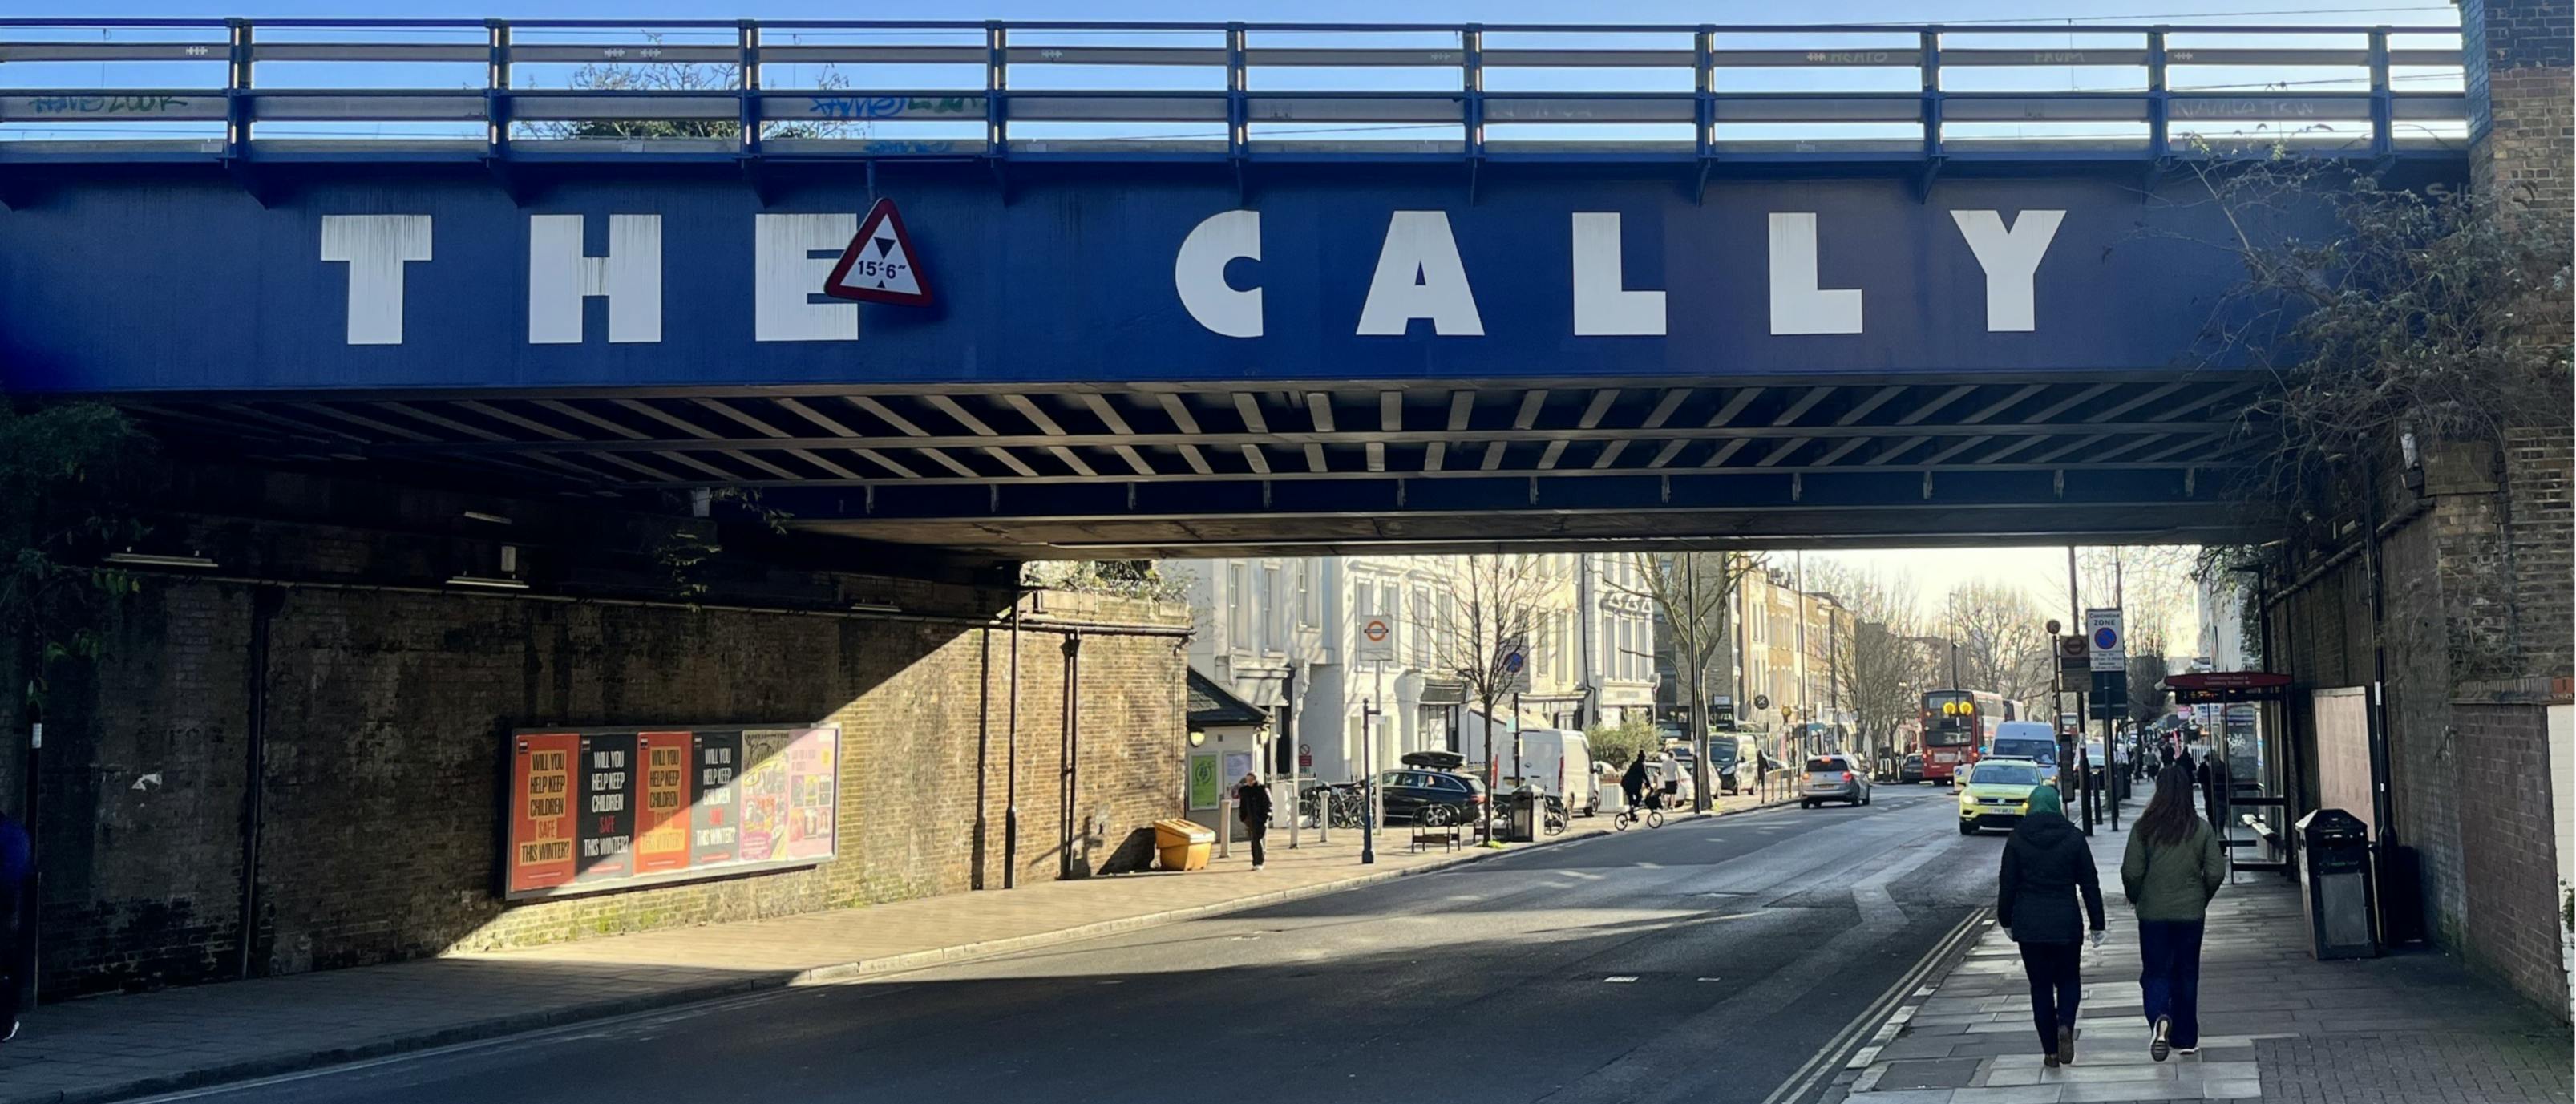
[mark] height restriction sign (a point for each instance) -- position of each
(881, 265)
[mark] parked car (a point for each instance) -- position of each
(1559, 762)
(1834, 777)
(1910, 770)
(1407, 793)
(1996, 793)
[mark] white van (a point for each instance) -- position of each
(1559, 761)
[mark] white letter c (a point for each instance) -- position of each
(1198, 273)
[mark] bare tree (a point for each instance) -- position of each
(1883, 669)
(2001, 642)
(1694, 591)
(1492, 598)
(679, 76)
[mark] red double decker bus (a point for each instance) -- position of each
(1956, 724)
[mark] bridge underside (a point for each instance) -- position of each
(1077, 471)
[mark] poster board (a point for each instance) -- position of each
(596, 809)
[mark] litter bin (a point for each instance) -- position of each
(1526, 804)
(2334, 850)
(1184, 845)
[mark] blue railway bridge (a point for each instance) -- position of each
(1197, 289)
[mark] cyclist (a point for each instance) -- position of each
(1633, 783)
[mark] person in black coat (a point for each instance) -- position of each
(1252, 806)
(2047, 863)
(1633, 783)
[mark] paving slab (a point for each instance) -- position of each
(2277, 1025)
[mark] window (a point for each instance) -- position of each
(1423, 626)
(1238, 607)
(1273, 603)
(1310, 613)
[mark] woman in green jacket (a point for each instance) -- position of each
(2174, 865)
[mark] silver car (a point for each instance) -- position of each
(1835, 777)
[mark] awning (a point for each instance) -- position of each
(1443, 692)
(2227, 686)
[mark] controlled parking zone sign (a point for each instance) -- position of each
(2109, 641)
(1512, 660)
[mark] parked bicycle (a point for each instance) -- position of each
(1554, 818)
(1343, 803)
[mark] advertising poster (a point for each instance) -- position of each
(607, 807)
(712, 820)
(541, 815)
(662, 813)
(1204, 782)
(813, 772)
(592, 810)
(763, 794)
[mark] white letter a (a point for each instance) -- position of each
(1419, 275)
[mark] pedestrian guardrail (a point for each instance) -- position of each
(821, 89)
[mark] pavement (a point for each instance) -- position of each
(2276, 1024)
(115, 1047)
(1709, 960)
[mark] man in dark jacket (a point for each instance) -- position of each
(1633, 783)
(1252, 807)
(2046, 864)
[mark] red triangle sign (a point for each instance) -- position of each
(881, 265)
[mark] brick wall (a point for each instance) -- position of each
(2511, 930)
(2539, 467)
(2518, 57)
(386, 702)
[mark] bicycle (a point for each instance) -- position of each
(1653, 814)
(1554, 819)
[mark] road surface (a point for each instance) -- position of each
(1711, 960)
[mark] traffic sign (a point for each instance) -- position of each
(1511, 659)
(1305, 757)
(880, 265)
(2110, 643)
(1377, 638)
(1761, 702)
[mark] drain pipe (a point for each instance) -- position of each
(1011, 754)
(263, 609)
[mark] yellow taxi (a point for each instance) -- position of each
(1996, 793)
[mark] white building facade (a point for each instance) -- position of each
(1283, 634)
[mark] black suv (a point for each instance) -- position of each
(1428, 779)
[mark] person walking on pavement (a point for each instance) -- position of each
(2173, 867)
(1252, 806)
(1633, 783)
(17, 876)
(1668, 778)
(2047, 864)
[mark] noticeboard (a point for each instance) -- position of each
(603, 809)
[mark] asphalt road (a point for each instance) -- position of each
(1708, 961)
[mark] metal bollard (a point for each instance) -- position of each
(1225, 826)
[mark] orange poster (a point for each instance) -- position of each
(662, 822)
(541, 854)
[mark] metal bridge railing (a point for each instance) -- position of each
(82, 89)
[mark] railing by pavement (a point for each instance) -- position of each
(85, 89)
